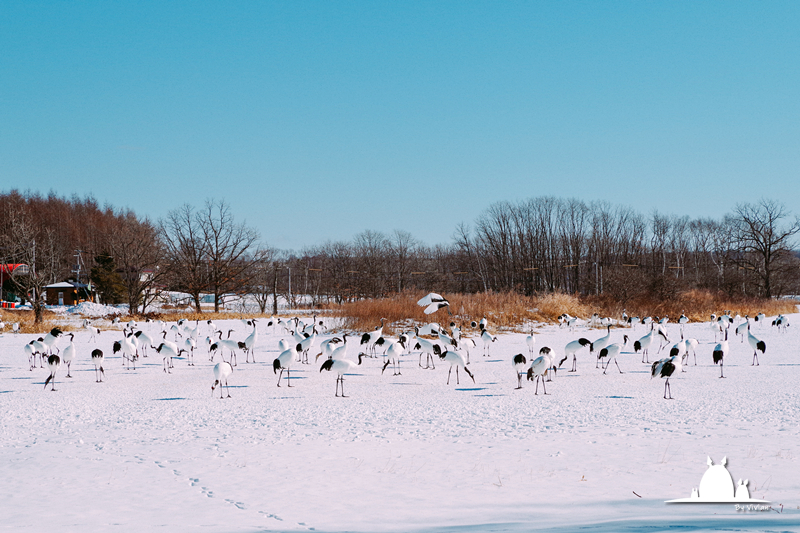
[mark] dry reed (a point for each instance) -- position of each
(26, 319)
(511, 311)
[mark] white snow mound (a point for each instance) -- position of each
(93, 309)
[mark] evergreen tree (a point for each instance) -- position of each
(106, 279)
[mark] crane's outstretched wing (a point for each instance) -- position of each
(435, 306)
(431, 298)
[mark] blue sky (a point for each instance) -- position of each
(319, 120)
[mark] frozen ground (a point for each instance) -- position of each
(148, 450)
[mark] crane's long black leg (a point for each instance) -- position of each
(618, 368)
(543, 386)
(288, 377)
(279, 377)
(448, 375)
(457, 382)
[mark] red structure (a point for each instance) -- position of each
(7, 270)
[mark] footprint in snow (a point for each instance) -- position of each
(270, 515)
(240, 505)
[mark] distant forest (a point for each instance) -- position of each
(531, 246)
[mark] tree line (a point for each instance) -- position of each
(531, 246)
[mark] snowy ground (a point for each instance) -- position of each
(149, 450)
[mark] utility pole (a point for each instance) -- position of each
(33, 270)
(290, 285)
(275, 289)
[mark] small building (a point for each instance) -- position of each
(67, 293)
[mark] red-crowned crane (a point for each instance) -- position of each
(781, 322)
(327, 347)
(432, 302)
(757, 345)
(661, 335)
(51, 338)
(221, 372)
(665, 368)
(284, 362)
(250, 343)
(691, 343)
(97, 361)
(530, 340)
(519, 362)
(427, 347)
(168, 351)
(540, 366)
(611, 352)
(189, 345)
(571, 349)
(601, 343)
(225, 343)
(69, 353)
(456, 360)
(128, 350)
(341, 367)
(742, 328)
(644, 344)
(53, 362)
(393, 354)
(719, 353)
(306, 344)
(372, 337)
(487, 339)
(682, 320)
(145, 340)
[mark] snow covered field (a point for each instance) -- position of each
(147, 450)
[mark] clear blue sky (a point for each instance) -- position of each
(319, 120)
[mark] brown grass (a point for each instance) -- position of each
(193, 316)
(25, 319)
(512, 311)
(504, 311)
(698, 305)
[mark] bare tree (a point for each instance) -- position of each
(264, 279)
(230, 250)
(764, 240)
(402, 246)
(183, 236)
(36, 248)
(140, 255)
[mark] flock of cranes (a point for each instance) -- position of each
(431, 340)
